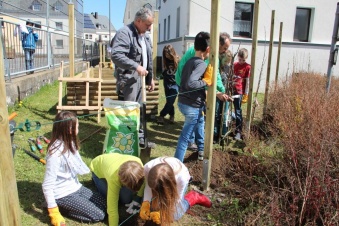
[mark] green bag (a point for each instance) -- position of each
(123, 119)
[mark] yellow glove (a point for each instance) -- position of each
(155, 216)
(56, 218)
(145, 210)
(208, 75)
(244, 99)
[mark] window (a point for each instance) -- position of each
(59, 44)
(158, 4)
(168, 27)
(0, 4)
(302, 25)
(2, 22)
(36, 5)
(58, 6)
(105, 36)
(159, 30)
(89, 36)
(243, 17)
(164, 29)
(37, 24)
(58, 25)
(178, 23)
(39, 44)
(86, 36)
(147, 5)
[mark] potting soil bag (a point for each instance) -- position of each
(123, 118)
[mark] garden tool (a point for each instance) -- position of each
(39, 145)
(43, 161)
(31, 143)
(45, 139)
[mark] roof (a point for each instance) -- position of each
(97, 22)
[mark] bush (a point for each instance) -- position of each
(306, 121)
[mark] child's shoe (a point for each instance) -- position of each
(171, 119)
(160, 120)
(238, 136)
(200, 155)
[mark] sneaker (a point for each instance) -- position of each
(238, 136)
(160, 120)
(201, 155)
(192, 147)
(171, 119)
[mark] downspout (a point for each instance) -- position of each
(187, 25)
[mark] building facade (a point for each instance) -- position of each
(306, 35)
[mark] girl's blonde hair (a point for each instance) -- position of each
(243, 53)
(169, 54)
(64, 130)
(161, 179)
(131, 174)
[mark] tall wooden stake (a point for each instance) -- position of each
(268, 75)
(71, 38)
(211, 94)
(253, 55)
(278, 56)
(155, 41)
(9, 200)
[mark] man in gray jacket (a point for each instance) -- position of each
(132, 56)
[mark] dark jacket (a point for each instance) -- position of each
(127, 55)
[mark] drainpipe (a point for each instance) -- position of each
(49, 54)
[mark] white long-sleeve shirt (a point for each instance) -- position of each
(182, 175)
(61, 174)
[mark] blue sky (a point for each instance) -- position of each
(101, 6)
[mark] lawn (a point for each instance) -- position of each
(41, 107)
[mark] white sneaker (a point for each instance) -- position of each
(238, 136)
(200, 155)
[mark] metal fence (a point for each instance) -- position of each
(52, 48)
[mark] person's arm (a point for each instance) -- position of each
(147, 189)
(113, 189)
(120, 51)
(188, 55)
(36, 36)
(149, 76)
(52, 167)
(194, 81)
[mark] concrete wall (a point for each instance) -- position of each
(21, 87)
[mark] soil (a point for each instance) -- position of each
(231, 178)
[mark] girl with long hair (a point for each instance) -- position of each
(61, 187)
(164, 196)
(170, 61)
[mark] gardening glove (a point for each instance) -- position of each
(133, 207)
(244, 99)
(56, 218)
(145, 210)
(208, 75)
(155, 216)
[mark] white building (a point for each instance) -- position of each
(97, 28)
(306, 36)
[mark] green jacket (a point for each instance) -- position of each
(189, 54)
(107, 166)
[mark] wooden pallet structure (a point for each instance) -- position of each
(82, 86)
(85, 93)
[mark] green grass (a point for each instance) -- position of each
(30, 173)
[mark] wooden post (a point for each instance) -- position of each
(71, 38)
(155, 41)
(211, 94)
(253, 55)
(9, 200)
(278, 56)
(100, 53)
(61, 75)
(268, 75)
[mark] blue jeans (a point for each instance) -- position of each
(238, 114)
(29, 53)
(194, 121)
(171, 92)
(183, 206)
(125, 195)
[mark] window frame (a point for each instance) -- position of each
(168, 26)
(60, 28)
(58, 5)
(243, 22)
(59, 46)
(307, 32)
(36, 5)
(177, 32)
(165, 29)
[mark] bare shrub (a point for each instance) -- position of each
(306, 121)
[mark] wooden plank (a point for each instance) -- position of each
(69, 107)
(60, 83)
(71, 25)
(79, 79)
(211, 94)
(9, 200)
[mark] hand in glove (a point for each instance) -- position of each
(244, 99)
(145, 210)
(208, 75)
(133, 207)
(155, 216)
(56, 217)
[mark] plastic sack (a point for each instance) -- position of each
(123, 119)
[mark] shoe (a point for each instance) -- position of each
(160, 120)
(171, 119)
(192, 147)
(237, 136)
(196, 198)
(201, 155)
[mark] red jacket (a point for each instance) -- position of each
(241, 77)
